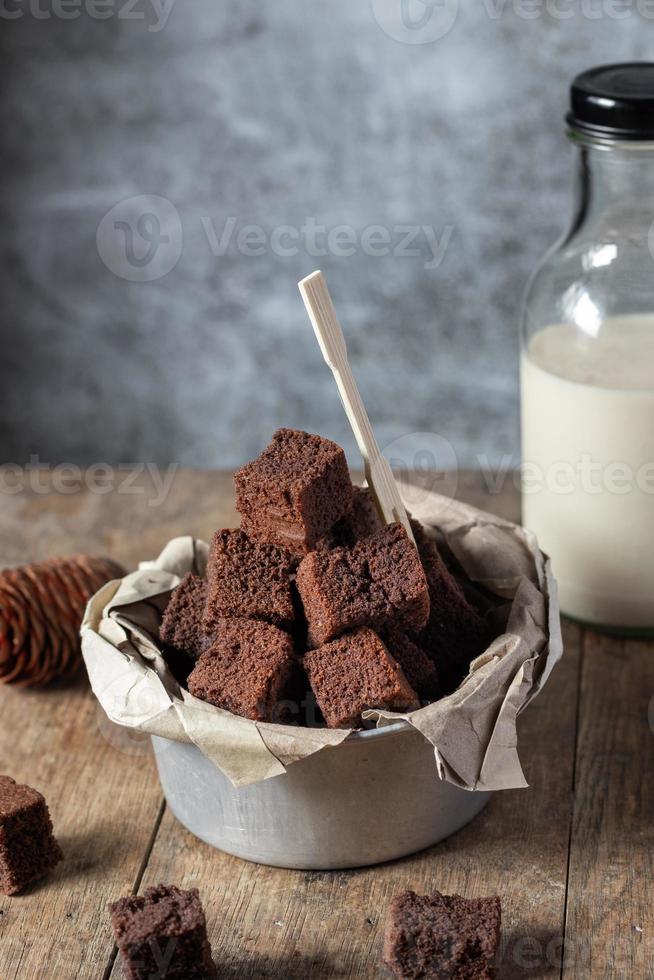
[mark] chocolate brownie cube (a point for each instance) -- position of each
(455, 632)
(295, 491)
(354, 673)
(379, 582)
(181, 626)
(419, 669)
(246, 670)
(437, 936)
(28, 848)
(364, 517)
(362, 521)
(248, 579)
(163, 934)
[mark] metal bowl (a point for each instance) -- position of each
(375, 797)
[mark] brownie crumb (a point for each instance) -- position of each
(247, 670)
(163, 934)
(295, 491)
(248, 580)
(379, 582)
(354, 673)
(435, 936)
(28, 848)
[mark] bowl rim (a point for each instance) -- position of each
(395, 728)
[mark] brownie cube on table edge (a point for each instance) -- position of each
(436, 936)
(163, 933)
(28, 847)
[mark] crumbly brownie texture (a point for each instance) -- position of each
(364, 516)
(455, 633)
(163, 934)
(28, 849)
(357, 672)
(362, 521)
(378, 582)
(181, 626)
(436, 936)
(295, 491)
(246, 670)
(248, 580)
(419, 669)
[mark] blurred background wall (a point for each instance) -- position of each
(171, 169)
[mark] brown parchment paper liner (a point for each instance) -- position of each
(473, 731)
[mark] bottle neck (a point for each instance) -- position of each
(612, 181)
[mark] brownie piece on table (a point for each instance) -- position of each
(246, 670)
(248, 580)
(295, 491)
(353, 673)
(455, 633)
(28, 848)
(419, 669)
(437, 936)
(163, 934)
(181, 626)
(379, 582)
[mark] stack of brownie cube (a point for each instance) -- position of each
(314, 590)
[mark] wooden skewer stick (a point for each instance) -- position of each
(332, 344)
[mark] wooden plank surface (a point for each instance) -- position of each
(106, 800)
(610, 916)
(304, 926)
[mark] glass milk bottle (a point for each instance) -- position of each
(587, 363)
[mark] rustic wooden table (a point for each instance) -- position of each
(572, 857)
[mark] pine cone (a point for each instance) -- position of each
(41, 610)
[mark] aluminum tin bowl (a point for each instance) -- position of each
(373, 798)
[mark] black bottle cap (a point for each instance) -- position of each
(614, 102)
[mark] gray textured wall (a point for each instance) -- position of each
(274, 114)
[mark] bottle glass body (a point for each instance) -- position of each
(587, 392)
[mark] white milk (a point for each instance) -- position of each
(588, 458)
